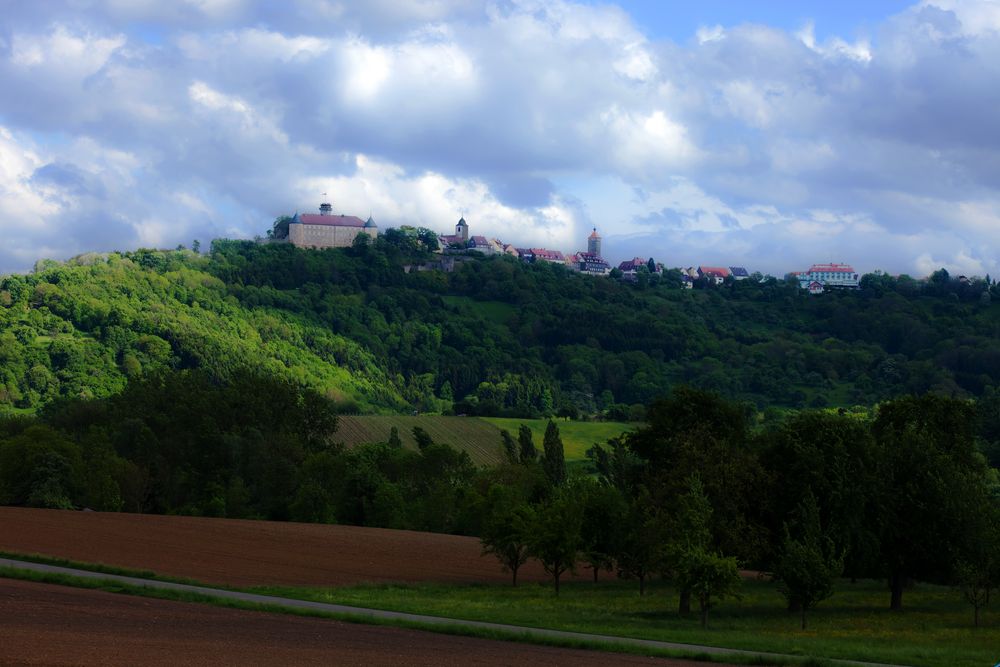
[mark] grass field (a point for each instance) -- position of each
(577, 437)
(935, 629)
(470, 434)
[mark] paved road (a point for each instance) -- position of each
(362, 612)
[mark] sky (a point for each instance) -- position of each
(771, 135)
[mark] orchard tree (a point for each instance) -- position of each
(555, 535)
(603, 515)
(933, 483)
(641, 547)
(808, 565)
(505, 530)
(509, 447)
(690, 532)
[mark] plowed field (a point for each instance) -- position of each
(53, 625)
(247, 553)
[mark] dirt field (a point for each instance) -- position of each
(54, 625)
(246, 553)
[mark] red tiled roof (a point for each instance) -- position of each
(831, 268)
(544, 253)
(594, 235)
(713, 270)
(331, 220)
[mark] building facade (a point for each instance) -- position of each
(840, 276)
(327, 230)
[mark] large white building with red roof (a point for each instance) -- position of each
(326, 230)
(829, 275)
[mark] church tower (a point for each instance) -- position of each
(594, 243)
(462, 229)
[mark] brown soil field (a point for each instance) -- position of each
(55, 625)
(247, 553)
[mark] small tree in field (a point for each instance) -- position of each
(808, 565)
(641, 547)
(554, 538)
(689, 532)
(709, 577)
(505, 531)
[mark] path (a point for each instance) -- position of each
(362, 612)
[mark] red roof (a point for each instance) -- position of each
(720, 271)
(831, 268)
(331, 220)
(545, 253)
(594, 234)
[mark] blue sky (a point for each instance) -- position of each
(679, 20)
(765, 134)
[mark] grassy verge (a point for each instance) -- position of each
(102, 568)
(934, 630)
(459, 629)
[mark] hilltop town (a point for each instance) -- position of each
(329, 230)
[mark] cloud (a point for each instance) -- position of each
(142, 122)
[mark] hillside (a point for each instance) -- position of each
(493, 338)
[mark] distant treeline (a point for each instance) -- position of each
(494, 337)
(905, 494)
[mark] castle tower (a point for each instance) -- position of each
(462, 229)
(594, 243)
(326, 208)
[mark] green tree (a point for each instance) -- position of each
(555, 535)
(505, 530)
(710, 577)
(603, 515)
(933, 484)
(689, 532)
(423, 438)
(509, 446)
(642, 542)
(526, 444)
(554, 462)
(808, 565)
(394, 440)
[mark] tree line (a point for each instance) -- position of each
(703, 488)
(495, 336)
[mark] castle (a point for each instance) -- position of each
(327, 230)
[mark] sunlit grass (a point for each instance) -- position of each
(577, 437)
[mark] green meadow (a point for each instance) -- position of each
(934, 629)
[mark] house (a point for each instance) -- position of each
(588, 262)
(738, 273)
(546, 255)
(815, 287)
(485, 245)
(326, 230)
(840, 276)
(630, 268)
(716, 274)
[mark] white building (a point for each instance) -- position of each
(829, 276)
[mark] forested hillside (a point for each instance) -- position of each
(495, 337)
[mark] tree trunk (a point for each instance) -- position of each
(896, 586)
(642, 585)
(514, 572)
(556, 576)
(595, 574)
(976, 608)
(704, 615)
(685, 604)
(803, 616)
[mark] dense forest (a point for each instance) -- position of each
(493, 337)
